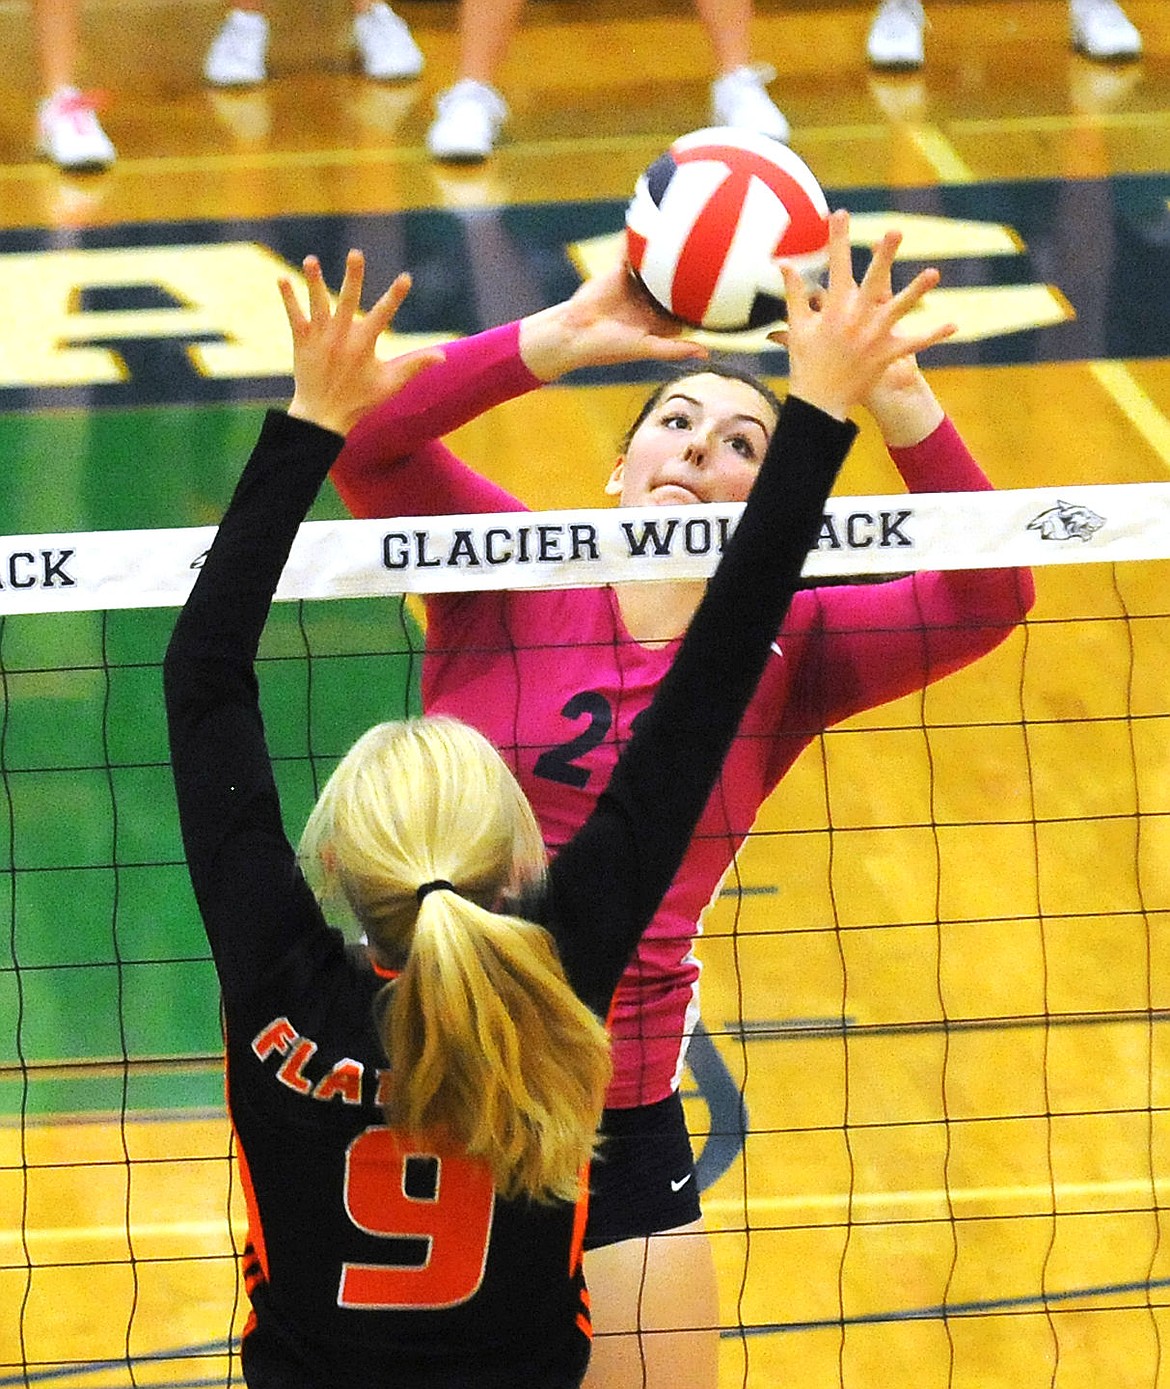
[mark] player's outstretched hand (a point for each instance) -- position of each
(337, 375)
(840, 348)
(609, 319)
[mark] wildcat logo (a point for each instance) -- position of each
(1066, 522)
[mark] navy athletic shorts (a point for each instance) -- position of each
(643, 1177)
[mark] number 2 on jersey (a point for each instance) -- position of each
(455, 1223)
(558, 764)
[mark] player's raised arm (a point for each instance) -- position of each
(227, 801)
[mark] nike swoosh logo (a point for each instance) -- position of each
(678, 1186)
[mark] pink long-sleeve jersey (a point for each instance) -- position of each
(555, 681)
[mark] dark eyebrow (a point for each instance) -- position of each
(698, 404)
(751, 419)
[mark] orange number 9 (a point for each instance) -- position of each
(455, 1222)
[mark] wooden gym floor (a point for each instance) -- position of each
(942, 978)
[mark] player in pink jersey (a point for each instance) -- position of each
(556, 679)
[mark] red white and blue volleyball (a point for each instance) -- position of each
(712, 220)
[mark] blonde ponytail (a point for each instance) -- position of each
(490, 1043)
(486, 1040)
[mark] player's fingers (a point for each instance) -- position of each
(384, 312)
(912, 344)
(349, 297)
(878, 279)
(318, 294)
(876, 283)
(672, 349)
(907, 298)
(840, 257)
(292, 306)
(648, 308)
(796, 296)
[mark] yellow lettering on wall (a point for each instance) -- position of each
(928, 237)
(979, 311)
(226, 291)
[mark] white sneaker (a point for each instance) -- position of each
(238, 53)
(1101, 29)
(468, 122)
(69, 133)
(385, 45)
(738, 99)
(895, 35)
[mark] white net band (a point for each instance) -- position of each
(873, 535)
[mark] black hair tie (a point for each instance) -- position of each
(433, 886)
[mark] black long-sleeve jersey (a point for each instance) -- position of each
(374, 1260)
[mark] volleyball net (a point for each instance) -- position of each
(927, 1091)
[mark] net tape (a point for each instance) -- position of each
(860, 536)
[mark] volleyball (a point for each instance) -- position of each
(713, 219)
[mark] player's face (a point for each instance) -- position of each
(703, 441)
